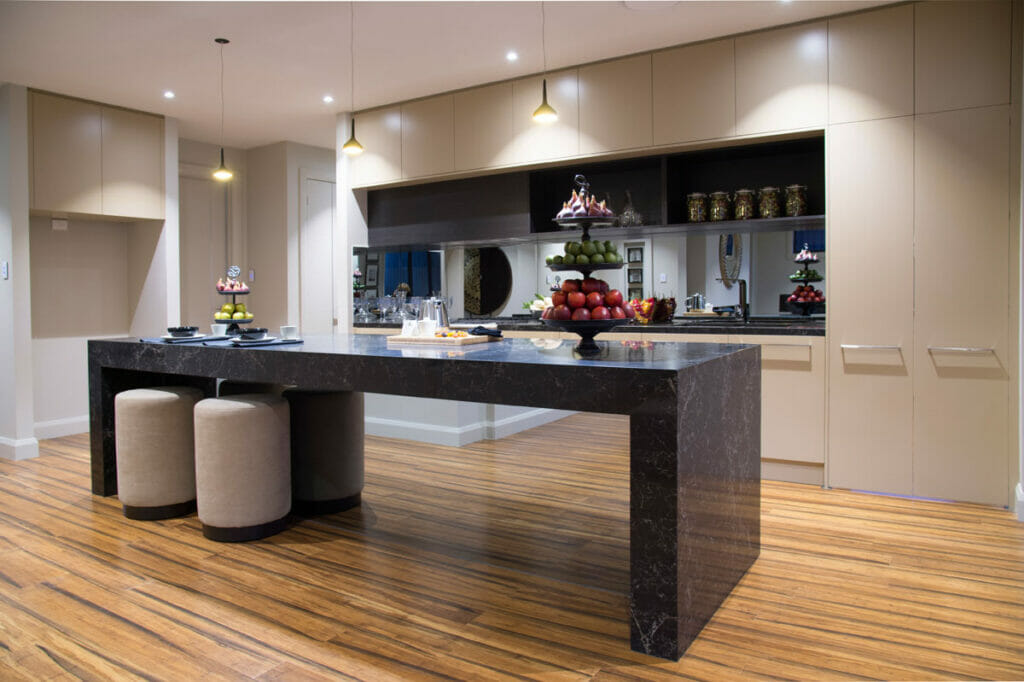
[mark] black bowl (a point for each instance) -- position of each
(182, 332)
(253, 334)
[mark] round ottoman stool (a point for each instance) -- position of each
(156, 471)
(327, 450)
(243, 470)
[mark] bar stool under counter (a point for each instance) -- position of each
(243, 469)
(156, 474)
(327, 450)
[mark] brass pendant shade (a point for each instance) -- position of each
(222, 173)
(352, 146)
(545, 113)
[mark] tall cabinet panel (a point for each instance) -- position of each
(427, 137)
(615, 105)
(483, 127)
(380, 133)
(871, 304)
(133, 168)
(961, 207)
(66, 166)
(695, 92)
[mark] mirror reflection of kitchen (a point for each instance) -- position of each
(380, 273)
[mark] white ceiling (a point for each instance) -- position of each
(284, 56)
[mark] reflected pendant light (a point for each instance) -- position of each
(352, 146)
(222, 173)
(545, 113)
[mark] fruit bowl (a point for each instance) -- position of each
(587, 330)
(182, 332)
(585, 221)
(585, 269)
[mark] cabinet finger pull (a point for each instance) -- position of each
(960, 349)
(858, 346)
(787, 345)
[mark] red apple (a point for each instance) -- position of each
(618, 313)
(594, 299)
(613, 298)
(590, 285)
(628, 309)
(546, 315)
(561, 312)
(576, 299)
(558, 298)
(580, 314)
(600, 313)
(569, 285)
(604, 286)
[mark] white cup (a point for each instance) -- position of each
(426, 327)
(289, 331)
(219, 329)
(410, 327)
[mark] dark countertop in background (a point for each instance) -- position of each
(769, 326)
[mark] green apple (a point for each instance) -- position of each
(227, 308)
(238, 316)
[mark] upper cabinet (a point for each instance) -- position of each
(871, 65)
(615, 105)
(695, 93)
(427, 137)
(132, 162)
(962, 54)
(781, 80)
(484, 127)
(92, 159)
(380, 133)
(545, 141)
(66, 166)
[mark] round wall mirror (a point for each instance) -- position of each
(487, 281)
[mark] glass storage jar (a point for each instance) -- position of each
(719, 206)
(697, 207)
(768, 205)
(743, 204)
(796, 200)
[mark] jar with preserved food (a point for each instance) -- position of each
(796, 200)
(697, 207)
(719, 206)
(743, 204)
(768, 206)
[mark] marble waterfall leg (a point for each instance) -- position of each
(694, 503)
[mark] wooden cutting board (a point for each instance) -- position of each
(440, 340)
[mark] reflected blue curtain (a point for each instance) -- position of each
(421, 270)
(815, 240)
(396, 271)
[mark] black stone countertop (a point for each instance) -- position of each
(768, 326)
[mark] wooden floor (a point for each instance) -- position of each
(504, 559)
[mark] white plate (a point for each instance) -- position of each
(175, 338)
(242, 342)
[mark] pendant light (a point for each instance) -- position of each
(545, 113)
(222, 173)
(352, 146)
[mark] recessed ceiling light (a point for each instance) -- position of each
(328, 99)
(168, 94)
(512, 55)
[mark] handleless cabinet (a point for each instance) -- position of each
(694, 92)
(615, 105)
(871, 305)
(781, 79)
(66, 156)
(380, 133)
(483, 127)
(428, 137)
(961, 335)
(132, 162)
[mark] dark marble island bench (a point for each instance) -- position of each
(694, 444)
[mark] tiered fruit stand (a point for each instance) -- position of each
(805, 276)
(233, 329)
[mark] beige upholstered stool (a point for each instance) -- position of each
(156, 471)
(327, 450)
(243, 470)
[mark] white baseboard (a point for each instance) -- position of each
(793, 472)
(1020, 501)
(56, 428)
(24, 448)
(521, 422)
(425, 433)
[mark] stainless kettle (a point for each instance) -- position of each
(435, 309)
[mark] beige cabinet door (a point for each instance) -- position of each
(133, 164)
(484, 127)
(781, 79)
(871, 305)
(792, 396)
(380, 133)
(427, 137)
(961, 387)
(871, 65)
(66, 166)
(615, 105)
(534, 141)
(961, 54)
(695, 92)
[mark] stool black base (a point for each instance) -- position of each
(245, 533)
(322, 507)
(167, 511)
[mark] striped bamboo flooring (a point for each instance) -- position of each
(501, 560)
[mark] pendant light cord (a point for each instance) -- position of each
(543, 37)
(352, 55)
(222, 95)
